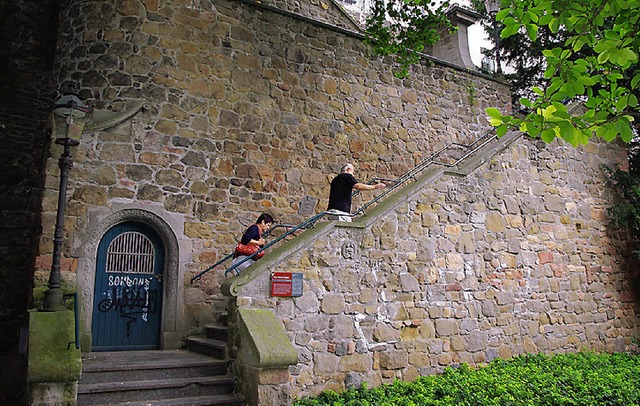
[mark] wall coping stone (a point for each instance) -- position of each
(264, 343)
(361, 36)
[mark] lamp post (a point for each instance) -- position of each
(70, 113)
(493, 6)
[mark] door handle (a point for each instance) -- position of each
(158, 277)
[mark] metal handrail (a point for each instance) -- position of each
(484, 140)
(304, 225)
(411, 174)
(76, 314)
(226, 258)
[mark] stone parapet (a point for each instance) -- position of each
(504, 261)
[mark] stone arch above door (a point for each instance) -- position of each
(169, 227)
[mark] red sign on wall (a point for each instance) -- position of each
(286, 284)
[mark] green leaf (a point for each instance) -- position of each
(577, 45)
(603, 57)
(548, 111)
(626, 133)
(537, 90)
(494, 122)
(586, 80)
(525, 102)
(606, 132)
(524, 127)
(502, 14)
(510, 30)
(493, 112)
(532, 31)
(621, 104)
(582, 136)
(553, 87)
(533, 17)
(545, 19)
(604, 46)
(548, 135)
(565, 131)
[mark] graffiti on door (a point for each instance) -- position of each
(129, 297)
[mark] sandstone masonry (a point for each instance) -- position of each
(251, 110)
(514, 258)
(255, 109)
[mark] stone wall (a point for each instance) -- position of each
(514, 258)
(331, 12)
(27, 33)
(255, 110)
(252, 110)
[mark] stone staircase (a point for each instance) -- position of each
(197, 376)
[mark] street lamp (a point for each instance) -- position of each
(493, 6)
(70, 115)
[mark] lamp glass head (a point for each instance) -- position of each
(70, 106)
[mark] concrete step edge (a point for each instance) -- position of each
(211, 342)
(154, 384)
(142, 365)
(191, 401)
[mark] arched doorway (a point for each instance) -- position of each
(128, 291)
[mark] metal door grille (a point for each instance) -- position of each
(130, 252)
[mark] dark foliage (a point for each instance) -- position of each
(582, 379)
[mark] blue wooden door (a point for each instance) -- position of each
(128, 292)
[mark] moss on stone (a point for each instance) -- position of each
(51, 356)
(265, 344)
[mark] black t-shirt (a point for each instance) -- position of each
(252, 233)
(340, 192)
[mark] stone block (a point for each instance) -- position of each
(446, 327)
(495, 222)
(332, 303)
(356, 363)
(394, 359)
(324, 362)
(96, 195)
(383, 333)
(272, 376)
(409, 283)
(265, 345)
(53, 368)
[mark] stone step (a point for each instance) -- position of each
(216, 332)
(137, 391)
(217, 400)
(172, 377)
(208, 346)
(148, 365)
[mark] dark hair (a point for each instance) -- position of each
(266, 217)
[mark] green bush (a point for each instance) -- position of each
(580, 379)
